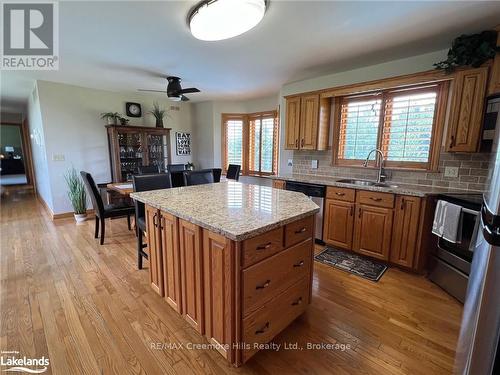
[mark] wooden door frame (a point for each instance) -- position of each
(26, 149)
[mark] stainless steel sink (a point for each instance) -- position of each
(366, 183)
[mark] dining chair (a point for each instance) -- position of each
(217, 173)
(146, 183)
(176, 167)
(149, 169)
(202, 176)
(233, 172)
(104, 211)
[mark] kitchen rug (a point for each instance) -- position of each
(353, 263)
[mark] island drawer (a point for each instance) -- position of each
(298, 231)
(262, 246)
(374, 198)
(265, 280)
(263, 325)
(340, 194)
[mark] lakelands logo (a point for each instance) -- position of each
(30, 39)
(23, 364)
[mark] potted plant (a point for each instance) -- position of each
(159, 114)
(124, 121)
(111, 117)
(190, 166)
(77, 194)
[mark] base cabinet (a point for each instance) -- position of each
(279, 184)
(169, 233)
(372, 231)
(405, 230)
(191, 274)
(338, 223)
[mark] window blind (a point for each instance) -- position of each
(234, 142)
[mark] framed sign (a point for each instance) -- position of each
(183, 143)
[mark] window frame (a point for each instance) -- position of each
(246, 118)
(441, 88)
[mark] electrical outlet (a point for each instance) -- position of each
(290, 163)
(58, 157)
(451, 172)
(314, 164)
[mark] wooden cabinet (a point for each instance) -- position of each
(171, 260)
(133, 146)
(292, 130)
(279, 184)
(154, 250)
(405, 230)
(494, 84)
(307, 122)
(372, 231)
(338, 223)
(466, 111)
(219, 263)
(191, 274)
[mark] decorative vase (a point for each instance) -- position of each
(112, 121)
(80, 218)
(159, 123)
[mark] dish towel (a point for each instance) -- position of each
(448, 221)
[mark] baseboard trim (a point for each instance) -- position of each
(65, 215)
(45, 206)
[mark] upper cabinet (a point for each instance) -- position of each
(494, 85)
(307, 122)
(466, 111)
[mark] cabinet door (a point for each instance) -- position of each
(191, 274)
(466, 113)
(372, 231)
(279, 184)
(309, 112)
(171, 260)
(338, 223)
(219, 262)
(154, 250)
(494, 86)
(292, 125)
(405, 230)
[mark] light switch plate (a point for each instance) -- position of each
(314, 164)
(451, 172)
(290, 163)
(58, 157)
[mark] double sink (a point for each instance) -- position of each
(366, 183)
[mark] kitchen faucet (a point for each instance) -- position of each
(380, 176)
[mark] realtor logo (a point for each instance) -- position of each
(30, 35)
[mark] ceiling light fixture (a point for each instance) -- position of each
(223, 19)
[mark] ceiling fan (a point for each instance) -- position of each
(174, 90)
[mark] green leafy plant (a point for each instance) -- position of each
(470, 50)
(111, 117)
(124, 121)
(159, 113)
(76, 191)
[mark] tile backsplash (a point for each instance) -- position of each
(472, 170)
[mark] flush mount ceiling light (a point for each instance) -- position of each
(223, 19)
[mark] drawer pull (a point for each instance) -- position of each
(263, 329)
(340, 194)
(300, 230)
(300, 264)
(376, 199)
(264, 247)
(298, 302)
(263, 286)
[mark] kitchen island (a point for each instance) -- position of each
(235, 260)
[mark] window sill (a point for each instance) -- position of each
(385, 167)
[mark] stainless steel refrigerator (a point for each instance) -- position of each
(477, 350)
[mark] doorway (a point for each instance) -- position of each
(15, 156)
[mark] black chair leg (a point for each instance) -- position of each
(139, 250)
(96, 234)
(102, 231)
(128, 222)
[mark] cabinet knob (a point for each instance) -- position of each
(155, 222)
(452, 141)
(263, 286)
(359, 213)
(402, 203)
(264, 247)
(300, 264)
(351, 211)
(296, 143)
(375, 199)
(263, 329)
(302, 143)
(340, 194)
(298, 302)
(301, 230)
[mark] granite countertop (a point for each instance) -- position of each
(235, 210)
(414, 190)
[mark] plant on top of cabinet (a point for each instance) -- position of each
(111, 117)
(159, 114)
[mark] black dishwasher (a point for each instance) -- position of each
(317, 194)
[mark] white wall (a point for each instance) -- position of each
(73, 128)
(393, 68)
(38, 149)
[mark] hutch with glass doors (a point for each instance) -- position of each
(133, 146)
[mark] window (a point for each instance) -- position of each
(400, 122)
(251, 141)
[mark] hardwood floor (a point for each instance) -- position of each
(90, 311)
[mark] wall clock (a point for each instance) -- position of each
(133, 109)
